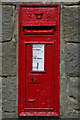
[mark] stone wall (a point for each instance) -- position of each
(9, 61)
(70, 74)
(69, 60)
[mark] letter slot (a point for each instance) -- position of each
(39, 30)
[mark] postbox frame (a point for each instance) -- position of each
(21, 74)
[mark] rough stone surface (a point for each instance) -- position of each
(8, 115)
(73, 105)
(38, 1)
(72, 59)
(63, 97)
(70, 23)
(9, 94)
(71, 115)
(0, 49)
(72, 99)
(63, 77)
(74, 81)
(9, 58)
(69, 61)
(73, 88)
(0, 66)
(6, 23)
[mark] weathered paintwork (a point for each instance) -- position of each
(38, 91)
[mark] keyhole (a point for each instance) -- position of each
(32, 80)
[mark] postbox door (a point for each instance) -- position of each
(38, 60)
(40, 76)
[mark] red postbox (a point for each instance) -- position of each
(38, 60)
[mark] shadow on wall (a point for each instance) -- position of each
(34, 118)
(39, 118)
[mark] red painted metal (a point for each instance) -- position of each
(38, 91)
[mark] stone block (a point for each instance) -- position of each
(70, 25)
(0, 49)
(7, 23)
(0, 81)
(72, 61)
(73, 93)
(73, 88)
(71, 116)
(73, 104)
(74, 81)
(8, 115)
(0, 114)
(63, 97)
(8, 106)
(9, 58)
(0, 66)
(9, 94)
(79, 93)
